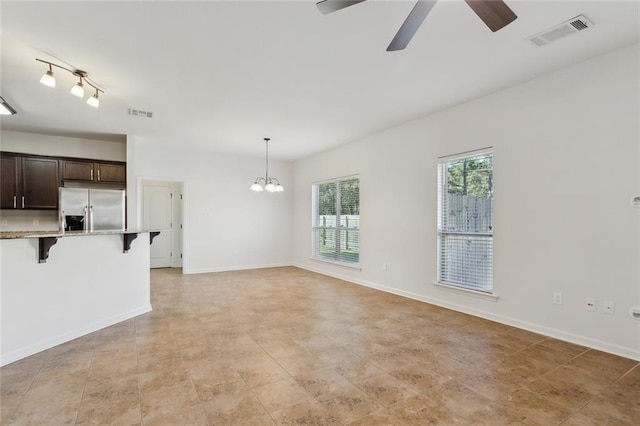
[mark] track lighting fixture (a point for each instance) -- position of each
(78, 90)
(5, 108)
(266, 183)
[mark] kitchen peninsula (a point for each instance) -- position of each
(57, 286)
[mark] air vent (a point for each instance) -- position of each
(571, 26)
(140, 113)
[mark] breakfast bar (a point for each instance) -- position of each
(56, 286)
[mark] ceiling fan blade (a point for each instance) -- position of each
(411, 24)
(328, 6)
(494, 13)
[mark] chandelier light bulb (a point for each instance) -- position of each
(257, 187)
(279, 188)
(270, 187)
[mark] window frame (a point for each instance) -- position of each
(338, 229)
(469, 288)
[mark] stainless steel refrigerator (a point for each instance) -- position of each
(83, 209)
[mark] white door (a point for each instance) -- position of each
(157, 215)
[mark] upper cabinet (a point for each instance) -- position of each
(92, 171)
(29, 182)
(40, 183)
(77, 170)
(111, 172)
(9, 190)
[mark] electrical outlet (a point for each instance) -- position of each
(384, 267)
(36, 222)
(4, 222)
(607, 306)
(590, 304)
(557, 298)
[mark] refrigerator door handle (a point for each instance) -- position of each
(90, 218)
(86, 219)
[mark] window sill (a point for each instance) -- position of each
(333, 262)
(481, 294)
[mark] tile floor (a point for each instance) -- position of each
(287, 346)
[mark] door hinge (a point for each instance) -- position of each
(171, 255)
(181, 196)
(171, 225)
(171, 193)
(180, 255)
(180, 226)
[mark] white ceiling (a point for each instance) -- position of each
(223, 75)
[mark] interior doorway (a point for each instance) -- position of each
(162, 211)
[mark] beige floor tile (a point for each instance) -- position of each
(283, 393)
(357, 369)
(560, 345)
(385, 389)
(534, 408)
(322, 381)
(231, 402)
(110, 410)
(420, 377)
(611, 361)
(309, 412)
(348, 404)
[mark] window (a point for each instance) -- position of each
(336, 221)
(465, 220)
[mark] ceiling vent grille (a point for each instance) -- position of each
(569, 27)
(140, 113)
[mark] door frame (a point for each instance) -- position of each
(178, 207)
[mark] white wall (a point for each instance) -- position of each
(226, 226)
(87, 283)
(61, 146)
(566, 165)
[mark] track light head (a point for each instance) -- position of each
(78, 89)
(93, 100)
(48, 79)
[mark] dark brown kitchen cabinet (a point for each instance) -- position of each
(29, 182)
(111, 172)
(8, 182)
(77, 170)
(92, 171)
(39, 183)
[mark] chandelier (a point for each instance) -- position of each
(266, 183)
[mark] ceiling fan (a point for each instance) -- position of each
(494, 13)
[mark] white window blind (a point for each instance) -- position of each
(336, 223)
(465, 220)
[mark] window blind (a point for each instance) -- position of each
(336, 227)
(465, 220)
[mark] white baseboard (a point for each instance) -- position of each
(623, 351)
(74, 334)
(233, 268)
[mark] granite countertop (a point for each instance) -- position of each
(8, 235)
